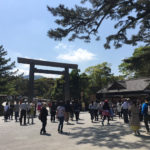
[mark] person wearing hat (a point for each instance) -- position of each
(145, 115)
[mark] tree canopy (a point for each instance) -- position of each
(75, 84)
(82, 22)
(100, 75)
(138, 65)
(6, 73)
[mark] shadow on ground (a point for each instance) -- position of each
(110, 137)
(46, 134)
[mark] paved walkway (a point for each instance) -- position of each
(82, 136)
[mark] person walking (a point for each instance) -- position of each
(146, 115)
(140, 111)
(23, 108)
(134, 119)
(119, 109)
(39, 106)
(125, 111)
(83, 106)
(106, 112)
(111, 110)
(100, 109)
(60, 114)
(53, 111)
(96, 106)
(31, 109)
(72, 110)
(16, 110)
(68, 110)
(11, 110)
(77, 110)
(43, 117)
(91, 110)
(6, 111)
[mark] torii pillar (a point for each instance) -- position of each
(33, 62)
(31, 81)
(67, 89)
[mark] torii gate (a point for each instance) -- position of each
(33, 62)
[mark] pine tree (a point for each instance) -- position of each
(138, 65)
(6, 72)
(81, 21)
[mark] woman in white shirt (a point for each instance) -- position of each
(60, 114)
(119, 109)
(6, 111)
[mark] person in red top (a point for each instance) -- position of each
(39, 106)
(106, 112)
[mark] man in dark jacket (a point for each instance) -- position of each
(146, 115)
(43, 117)
(77, 110)
(53, 112)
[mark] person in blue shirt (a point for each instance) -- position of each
(145, 114)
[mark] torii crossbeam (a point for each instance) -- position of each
(33, 62)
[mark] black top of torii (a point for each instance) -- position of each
(33, 62)
(46, 63)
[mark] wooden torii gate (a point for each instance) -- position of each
(33, 62)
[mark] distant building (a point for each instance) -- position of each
(138, 88)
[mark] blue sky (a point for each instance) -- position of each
(23, 33)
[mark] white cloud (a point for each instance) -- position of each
(24, 68)
(42, 59)
(25, 72)
(77, 55)
(48, 75)
(61, 46)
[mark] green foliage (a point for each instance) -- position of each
(84, 81)
(6, 75)
(85, 86)
(58, 89)
(138, 65)
(43, 87)
(82, 22)
(94, 79)
(20, 86)
(100, 75)
(126, 72)
(117, 78)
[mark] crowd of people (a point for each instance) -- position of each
(25, 111)
(131, 111)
